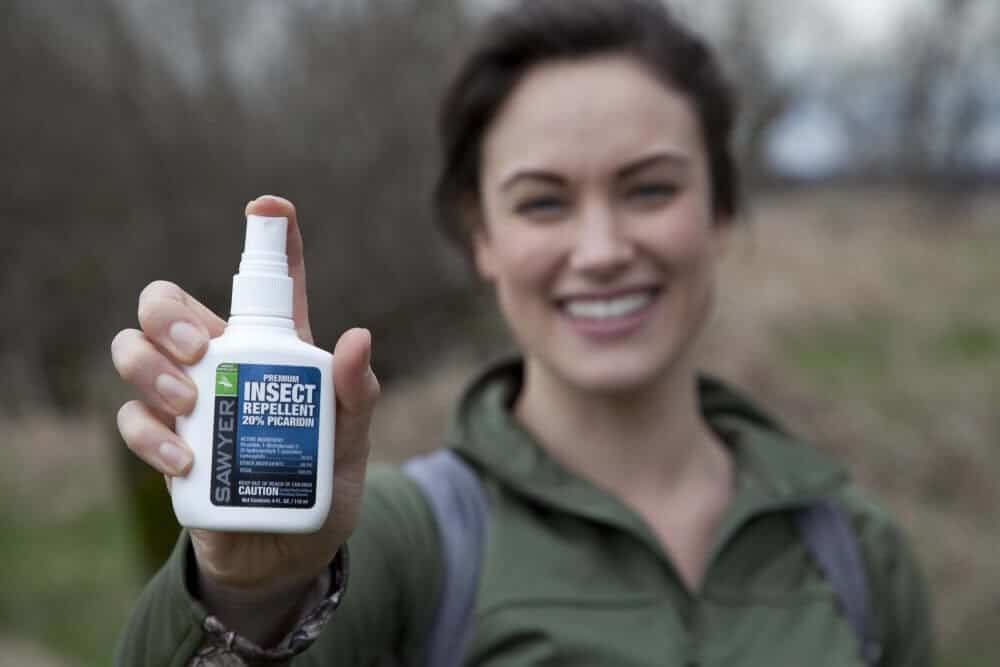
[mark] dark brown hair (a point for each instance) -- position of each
(530, 32)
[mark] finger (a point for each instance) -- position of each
(162, 385)
(152, 441)
(177, 322)
(357, 391)
(277, 207)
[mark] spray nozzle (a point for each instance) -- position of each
(262, 287)
(266, 234)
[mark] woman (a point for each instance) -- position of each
(634, 518)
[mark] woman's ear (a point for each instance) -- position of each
(483, 254)
(479, 238)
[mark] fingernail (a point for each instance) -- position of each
(187, 338)
(174, 391)
(175, 458)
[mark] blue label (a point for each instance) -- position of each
(265, 436)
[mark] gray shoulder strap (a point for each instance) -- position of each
(456, 497)
(827, 533)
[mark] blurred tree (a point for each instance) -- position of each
(746, 37)
(128, 170)
(138, 130)
(943, 73)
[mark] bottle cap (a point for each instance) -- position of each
(262, 287)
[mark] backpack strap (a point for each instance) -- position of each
(461, 511)
(828, 536)
(460, 508)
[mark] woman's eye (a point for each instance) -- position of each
(540, 206)
(652, 191)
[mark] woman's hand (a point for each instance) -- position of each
(175, 330)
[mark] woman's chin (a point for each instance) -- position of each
(613, 374)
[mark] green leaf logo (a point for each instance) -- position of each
(226, 379)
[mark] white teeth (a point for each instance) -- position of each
(603, 309)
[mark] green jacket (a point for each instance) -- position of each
(572, 576)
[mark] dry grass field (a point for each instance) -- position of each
(869, 321)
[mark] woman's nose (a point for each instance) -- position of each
(601, 244)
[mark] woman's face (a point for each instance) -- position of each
(598, 232)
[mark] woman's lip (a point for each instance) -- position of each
(608, 294)
(610, 329)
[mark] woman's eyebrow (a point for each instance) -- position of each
(552, 178)
(663, 157)
(534, 175)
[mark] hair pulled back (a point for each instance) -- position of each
(527, 33)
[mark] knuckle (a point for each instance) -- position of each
(159, 289)
(148, 312)
(153, 298)
(125, 355)
(129, 423)
(141, 442)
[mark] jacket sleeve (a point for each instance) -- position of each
(391, 594)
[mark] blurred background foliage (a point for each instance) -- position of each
(860, 302)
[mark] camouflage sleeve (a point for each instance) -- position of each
(224, 648)
(395, 583)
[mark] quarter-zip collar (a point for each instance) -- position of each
(774, 471)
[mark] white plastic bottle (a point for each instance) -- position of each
(262, 428)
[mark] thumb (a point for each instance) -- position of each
(279, 207)
(357, 390)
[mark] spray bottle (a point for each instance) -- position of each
(262, 428)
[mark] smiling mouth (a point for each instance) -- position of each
(608, 308)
